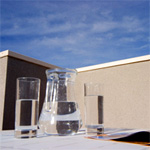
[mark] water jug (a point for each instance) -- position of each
(60, 113)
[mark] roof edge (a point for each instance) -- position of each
(114, 63)
(9, 53)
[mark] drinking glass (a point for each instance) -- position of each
(27, 104)
(93, 99)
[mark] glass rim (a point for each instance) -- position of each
(33, 79)
(94, 83)
(59, 70)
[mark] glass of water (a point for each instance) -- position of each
(93, 100)
(27, 104)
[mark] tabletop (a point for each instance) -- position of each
(74, 142)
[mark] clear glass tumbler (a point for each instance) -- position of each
(93, 100)
(27, 104)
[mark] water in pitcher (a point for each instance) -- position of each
(60, 118)
(26, 117)
(60, 114)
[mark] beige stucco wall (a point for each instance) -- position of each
(126, 93)
(3, 72)
(126, 88)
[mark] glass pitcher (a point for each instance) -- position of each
(60, 113)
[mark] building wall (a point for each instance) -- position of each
(13, 66)
(3, 73)
(126, 88)
(126, 93)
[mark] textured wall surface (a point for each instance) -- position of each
(126, 94)
(11, 70)
(126, 91)
(3, 73)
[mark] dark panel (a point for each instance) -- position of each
(100, 109)
(18, 68)
(25, 113)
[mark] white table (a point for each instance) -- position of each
(76, 142)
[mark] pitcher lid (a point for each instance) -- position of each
(61, 73)
(61, 70)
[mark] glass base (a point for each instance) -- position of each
(25, 133)
(94, 129)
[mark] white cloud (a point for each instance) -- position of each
(83, 32)
(104, 26)
(128, 23)
(132, 24)
(127, 39)
(145, 47)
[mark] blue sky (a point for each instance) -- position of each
(76, 33)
